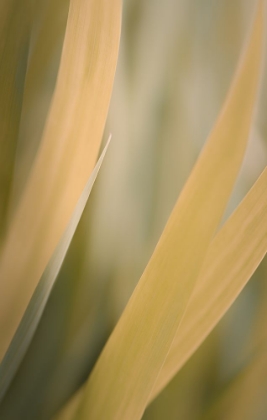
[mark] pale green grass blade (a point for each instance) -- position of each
(234, 255)
(66, 156)
(123, 378)
(14, 34)
(33, 313)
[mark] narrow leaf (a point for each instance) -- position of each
(46, 41)
(233, 256)
(33, 313)
(123, 378)
(246, 229)
(66, 156)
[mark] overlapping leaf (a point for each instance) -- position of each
(48, 26)
(66, 156)
(33, 313)
(202, 314)
(234, 255)
(128, 367)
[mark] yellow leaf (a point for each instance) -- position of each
(66, 156)
(46, 40)
(233, 256)
(31, 318)
(210, 299)
(123, 378)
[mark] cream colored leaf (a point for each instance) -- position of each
(233, 256)
(46, 41)
(246, 229)
(123, 378)
(34, 311)
(66, 156)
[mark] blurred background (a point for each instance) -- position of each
(177, 58)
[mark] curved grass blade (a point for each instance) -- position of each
(234, 255)
(33, 313)
(124, 376)
(46, 41)
(250, 221)
(66, 156)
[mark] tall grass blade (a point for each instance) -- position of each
(66, 155)
(233, 256)
(250, 221)
(46, 41)
(33, 313)
(124, 376)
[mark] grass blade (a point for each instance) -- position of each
(33, 313)
(234, 255)
(128, 367)
(250, 220)
(66, 156)
(46, 41)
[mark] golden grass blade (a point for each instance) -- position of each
(250, 221)
(34, 311)
(14, 35)
(46, 41)
(67, 154)
(127, 369)
(233, 256)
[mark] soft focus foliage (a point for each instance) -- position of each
(176, 63)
